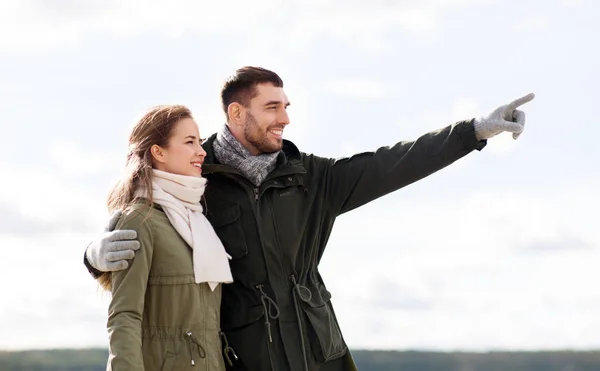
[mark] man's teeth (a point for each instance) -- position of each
(277, 132)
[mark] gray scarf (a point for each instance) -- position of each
(230, 152)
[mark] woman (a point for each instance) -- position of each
(165, 308)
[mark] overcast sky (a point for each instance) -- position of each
(498, 251)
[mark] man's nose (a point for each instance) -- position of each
(283, 118)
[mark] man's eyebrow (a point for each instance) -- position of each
(277, 102)
(190, 136)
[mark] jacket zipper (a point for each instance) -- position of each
(256, 194)
(257, 217)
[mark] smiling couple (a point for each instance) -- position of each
(212, 252)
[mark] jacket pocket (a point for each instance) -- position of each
(226, 222)
(323, 331)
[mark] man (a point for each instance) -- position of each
(274, 208)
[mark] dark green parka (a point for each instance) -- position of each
(277, 314)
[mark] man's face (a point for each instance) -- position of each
(266, 118)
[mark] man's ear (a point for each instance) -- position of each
(236, 113)
(158, 153)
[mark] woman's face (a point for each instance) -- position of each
(183, 155)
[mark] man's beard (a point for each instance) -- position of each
(258, 139)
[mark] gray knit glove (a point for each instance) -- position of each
(504, 118)
(111, 250)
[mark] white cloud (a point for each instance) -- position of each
(71, 160)
(465, 107)
(358, 24)
(33, 24)
(52, 199)
(355, 87)
(534, 23)
(53, 219)
(39, 24)
(574, 4)
(50, 300)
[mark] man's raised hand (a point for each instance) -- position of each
(504, 118)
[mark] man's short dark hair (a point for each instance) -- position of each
(241, 86)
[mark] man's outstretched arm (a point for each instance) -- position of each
(111, 250)
(357, 180)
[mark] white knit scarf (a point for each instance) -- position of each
(179, 196)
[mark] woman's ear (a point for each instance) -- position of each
(158, 153)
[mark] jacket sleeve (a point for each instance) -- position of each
(357, 180)
(127, 303)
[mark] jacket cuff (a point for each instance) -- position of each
(466, 131)
(93, 271)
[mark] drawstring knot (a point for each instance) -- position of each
(270, 308)
(192, 340)
(227, 350)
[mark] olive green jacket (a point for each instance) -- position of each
(159, 318)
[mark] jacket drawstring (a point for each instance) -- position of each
(270, 308)
(192, 340)
(227, 349)
(299, 291)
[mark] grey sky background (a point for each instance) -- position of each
(498, 251)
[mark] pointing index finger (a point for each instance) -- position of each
(520, 101)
